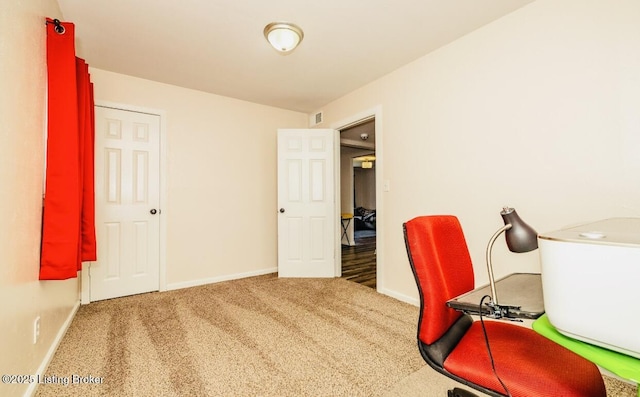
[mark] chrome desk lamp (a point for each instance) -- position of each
(520, 238)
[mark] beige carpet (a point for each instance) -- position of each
(260, 336)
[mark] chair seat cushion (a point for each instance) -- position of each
(529, 364)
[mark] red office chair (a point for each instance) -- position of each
(527, 363)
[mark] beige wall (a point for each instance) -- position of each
(22, 105)
(221, 177)
(538, 110)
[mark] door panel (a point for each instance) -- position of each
(127, 189)
(307, 216)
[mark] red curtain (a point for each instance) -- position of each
(68, 225)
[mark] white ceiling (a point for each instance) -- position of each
(218, 46)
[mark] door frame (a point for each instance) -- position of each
(376, 113)
(85, 282)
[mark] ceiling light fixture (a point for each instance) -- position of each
(364, 161)
(283, 36)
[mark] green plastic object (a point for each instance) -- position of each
(622, 365)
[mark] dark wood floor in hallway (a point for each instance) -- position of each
(359, 261)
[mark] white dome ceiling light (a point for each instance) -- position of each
(283, 36)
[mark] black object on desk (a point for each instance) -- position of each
(522, 292)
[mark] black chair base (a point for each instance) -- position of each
(456, 392)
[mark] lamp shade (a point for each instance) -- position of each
(283, 36)
(520, 236)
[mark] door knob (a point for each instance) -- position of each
(282, 210)
(153, 211)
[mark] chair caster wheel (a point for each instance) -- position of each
(456, 392)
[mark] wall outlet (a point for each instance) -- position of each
(36, 330)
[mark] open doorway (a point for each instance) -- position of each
(358, 202)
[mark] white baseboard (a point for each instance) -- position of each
(400, 297)
(31, 390)
(212, 280)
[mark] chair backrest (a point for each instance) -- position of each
(442, 267)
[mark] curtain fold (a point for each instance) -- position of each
(86, 128)
(68, 228)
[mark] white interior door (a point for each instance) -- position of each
(307, 218)
(127, 183)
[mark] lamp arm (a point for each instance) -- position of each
(492, 281)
